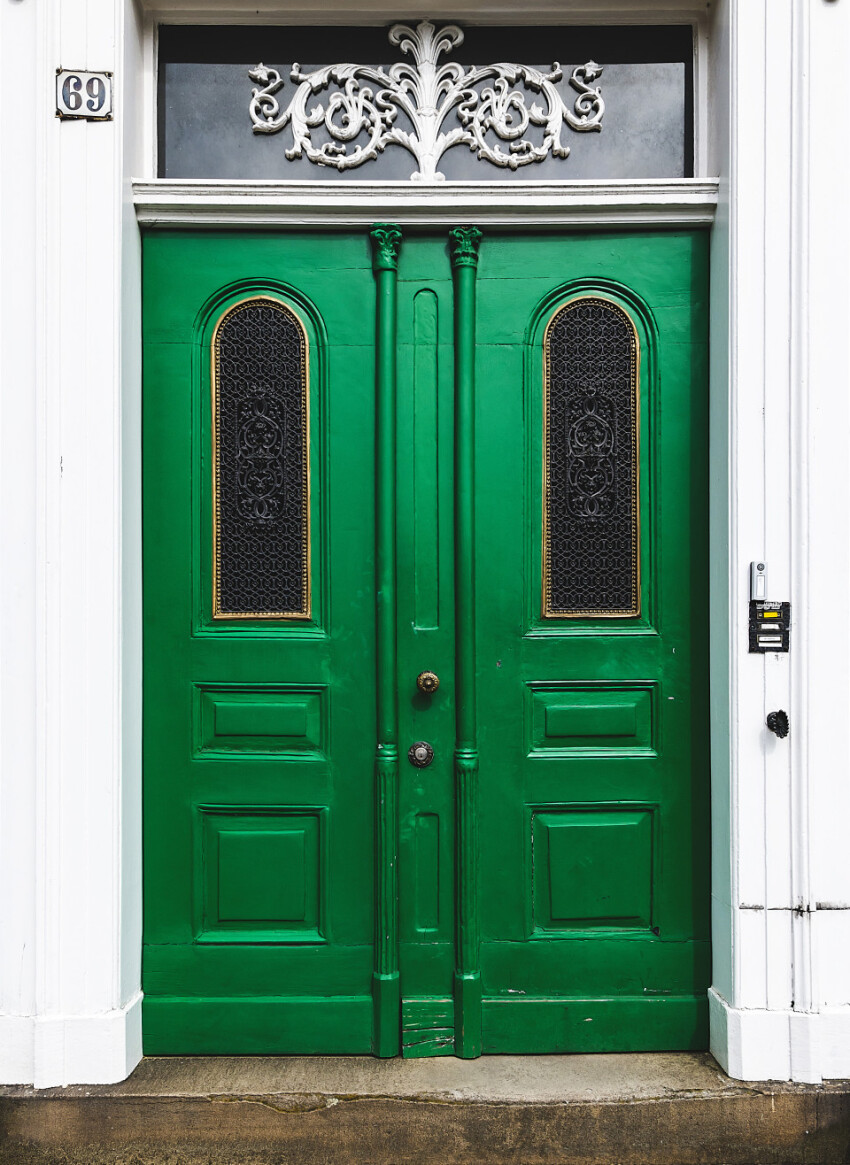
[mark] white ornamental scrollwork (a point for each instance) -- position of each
(368, 100)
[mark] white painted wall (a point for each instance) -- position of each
(20, 533)
(69, 685)
(777, 94)
(780, 383)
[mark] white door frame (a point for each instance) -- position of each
(70, 519)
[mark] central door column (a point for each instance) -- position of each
(464, 243)
(386, 240)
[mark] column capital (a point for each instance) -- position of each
(464, 243)
(386, 244)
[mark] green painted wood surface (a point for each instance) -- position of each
(617, 1023)
(611, 911)
(253, 1025)
(583, 764)
(301, 966)
(386, 240)
(425, 540)
(463, 244)
(427, 1027)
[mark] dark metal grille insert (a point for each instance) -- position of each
(261, 537)
(591, 537)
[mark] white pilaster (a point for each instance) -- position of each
(825, 395)
(780, 390)
(20, 215)
(69, 780)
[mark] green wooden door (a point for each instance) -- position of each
(594, 748)
(259, 732)
(542, 884)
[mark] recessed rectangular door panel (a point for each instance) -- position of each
(270, 721)
(566, 719)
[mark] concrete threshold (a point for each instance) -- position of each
(656, 1109)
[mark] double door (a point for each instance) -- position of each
(425, 642)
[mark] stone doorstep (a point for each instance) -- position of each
(654, 1109)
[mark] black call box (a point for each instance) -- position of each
(769, 626)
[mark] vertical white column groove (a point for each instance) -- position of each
(47, 844)
(803, 954)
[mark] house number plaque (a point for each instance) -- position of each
(83, 96)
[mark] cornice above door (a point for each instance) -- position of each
(661, 203)
(378, 11)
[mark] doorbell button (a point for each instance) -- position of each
(758, 581)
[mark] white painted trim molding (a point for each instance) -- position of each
(70, 616)
(70, 590)
(780, 368)
(51, 1051)
(564, 12)
(780, 1044)
(342, 204)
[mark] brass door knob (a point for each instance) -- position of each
(427, 682)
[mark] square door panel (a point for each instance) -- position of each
(264, 721)
(260, 876)
(592, 868)
(592, 719)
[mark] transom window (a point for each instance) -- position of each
(425, 102)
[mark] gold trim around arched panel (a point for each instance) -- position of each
(548, 609)
(215, 385)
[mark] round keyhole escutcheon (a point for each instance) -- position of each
(427, 682)
(420, 754)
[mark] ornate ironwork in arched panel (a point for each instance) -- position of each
(591, 504)
(260, 432)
